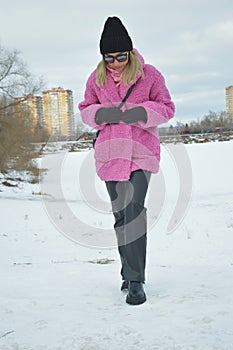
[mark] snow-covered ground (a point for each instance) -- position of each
(60, 288)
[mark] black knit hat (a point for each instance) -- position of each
(115, 37)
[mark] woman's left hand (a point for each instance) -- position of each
(134, 115)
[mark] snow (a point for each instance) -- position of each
(60, 283)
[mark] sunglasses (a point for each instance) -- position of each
(120, 58)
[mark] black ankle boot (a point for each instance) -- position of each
(125, 285)
(136, 294)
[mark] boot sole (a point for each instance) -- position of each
(135, 301)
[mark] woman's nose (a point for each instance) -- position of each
(116, 63)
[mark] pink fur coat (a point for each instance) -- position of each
(122, 148)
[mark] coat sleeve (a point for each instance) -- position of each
(160, 108)
(89, 106)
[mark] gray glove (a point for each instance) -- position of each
(108, 115)
(134, 115)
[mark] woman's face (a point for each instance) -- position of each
(118, 66)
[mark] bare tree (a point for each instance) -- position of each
(16, 148)
(15, 78)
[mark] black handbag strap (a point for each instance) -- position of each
(126, 96)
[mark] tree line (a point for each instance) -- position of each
(211, 122)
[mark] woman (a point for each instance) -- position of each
(127, 149)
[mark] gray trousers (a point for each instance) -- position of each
(127, 199)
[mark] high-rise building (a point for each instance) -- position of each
(229, 101)
(58, 112)
(32, 104)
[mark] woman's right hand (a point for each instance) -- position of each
(111, 115)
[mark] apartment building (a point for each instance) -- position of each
(32, 105)
(58, 112)
(229, 101)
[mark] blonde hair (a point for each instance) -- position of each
(129, 74)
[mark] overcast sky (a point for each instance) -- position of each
(190, 42)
